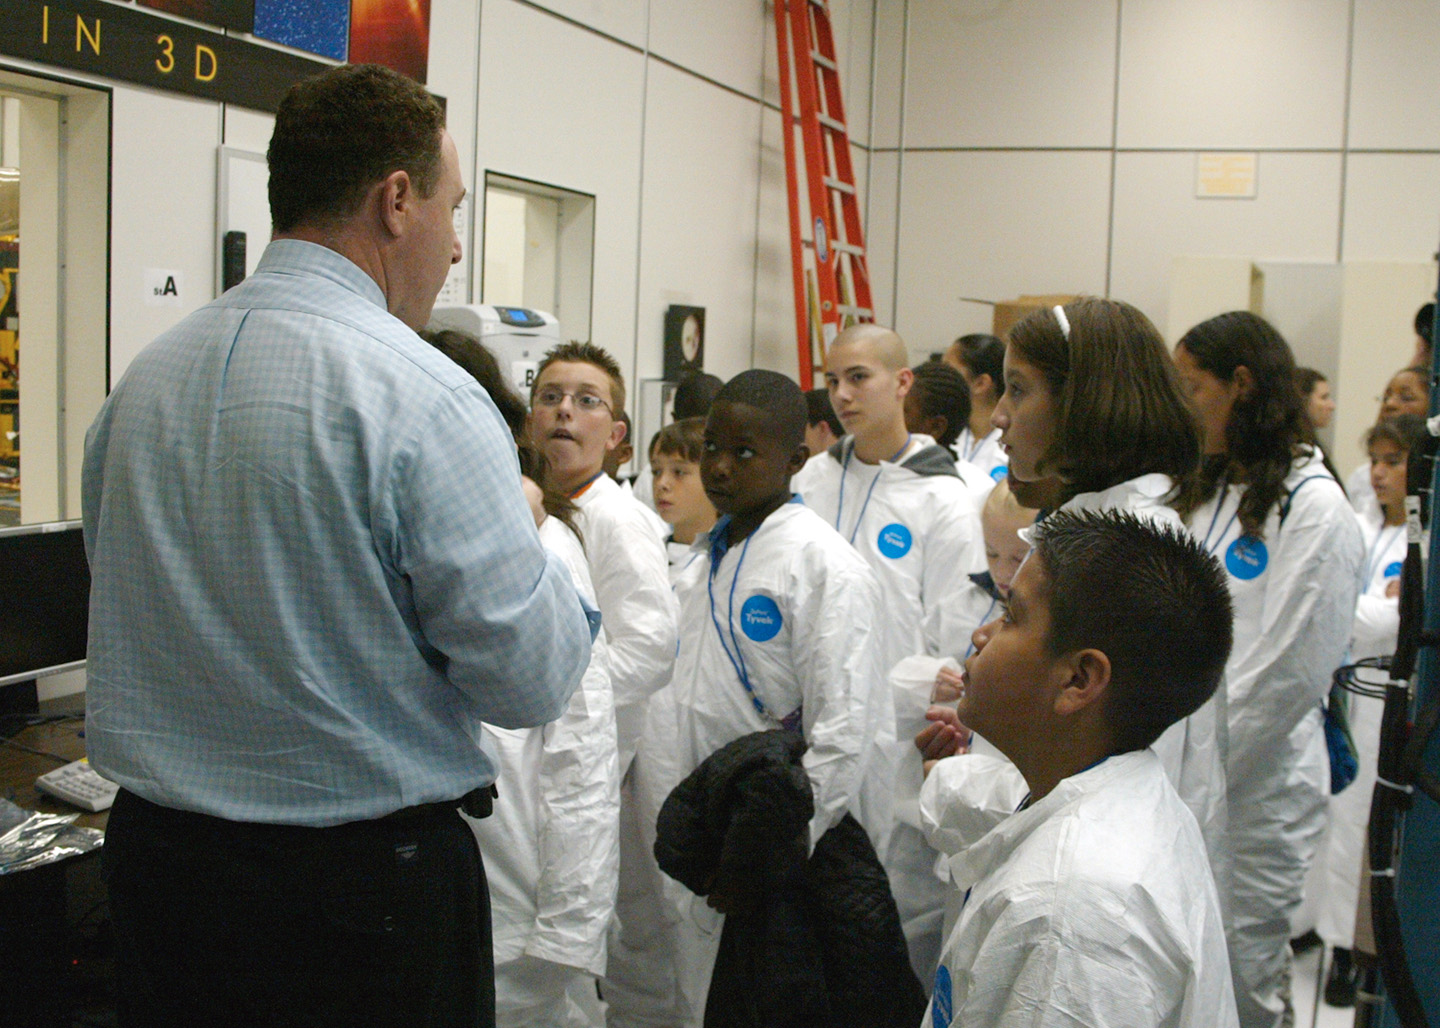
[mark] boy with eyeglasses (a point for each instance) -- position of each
(575, 403)
(575, 406)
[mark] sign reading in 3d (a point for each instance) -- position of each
(128, 44)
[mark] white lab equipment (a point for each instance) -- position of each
(517, 336)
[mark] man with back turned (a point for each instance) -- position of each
(315, 575)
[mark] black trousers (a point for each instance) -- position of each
(219, 923)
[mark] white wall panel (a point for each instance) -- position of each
(1377, 338)
(889, 81)
(1392, 207)
(623, 19)
(1396, 75)
(699, 218)
(775, 345)
(1295, 217)
(1232, 73)
(452, 73)
(995, 225)
(1039, 73)
(162, 212)
(851, 22)
(537, 125)
(249, 130)
(722, 41)
(880, 232)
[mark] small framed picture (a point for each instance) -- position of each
(684, 341)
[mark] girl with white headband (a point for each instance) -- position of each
(1092, 418)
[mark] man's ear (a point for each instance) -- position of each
(1088, 683)
(798, 459)
(397, 195)
(904, 378)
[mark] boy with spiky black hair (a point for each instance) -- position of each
(777, 632)
(1093, 903)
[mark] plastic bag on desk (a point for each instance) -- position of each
(29, 839)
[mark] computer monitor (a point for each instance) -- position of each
(45, 609)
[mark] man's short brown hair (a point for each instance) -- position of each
(587, 353)
(340, 132)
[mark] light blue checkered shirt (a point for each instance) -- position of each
(314, 571)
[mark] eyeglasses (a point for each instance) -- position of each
(552, 396)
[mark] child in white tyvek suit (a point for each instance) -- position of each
(1092, 902)
(1093, 418)
(778, 632)
(923, 681)
(576, 401)
(1373, 634)
(980, 359)
(897, 499)
(1273, 512)
(551, 844)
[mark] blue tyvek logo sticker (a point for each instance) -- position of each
(894, 541)
(999, 471)
(1247, 558)
(1391, 570)
(760, 619)
(941, 1004)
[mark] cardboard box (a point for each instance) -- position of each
(1007, 312)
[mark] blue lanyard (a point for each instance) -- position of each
(984, 621)
(844, 470)
(970, 456)
(1219, 506)
(737, 658)
(1377, 552)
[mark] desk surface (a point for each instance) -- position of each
(19, 768)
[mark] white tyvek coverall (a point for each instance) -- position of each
(1376, 626)
(1362, 493)
(793, 605)
(977, 482)
(639, 616)
(985, 454)
(1094, 907)
(632, 584)
(981, 788)
(1294, 604)
(918, 527)
(552, 847)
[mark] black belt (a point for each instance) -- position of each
(477, 803)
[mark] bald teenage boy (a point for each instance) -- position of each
(896, 497)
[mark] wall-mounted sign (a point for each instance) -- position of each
(238, 15)
(1229, 176)
(128, 44)
(162, 287)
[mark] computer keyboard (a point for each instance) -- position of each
(80, 785)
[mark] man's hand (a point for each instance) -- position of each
(536, 496)
(944, 737)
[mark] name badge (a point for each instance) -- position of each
(1247, 558)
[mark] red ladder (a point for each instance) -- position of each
(839, 274)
